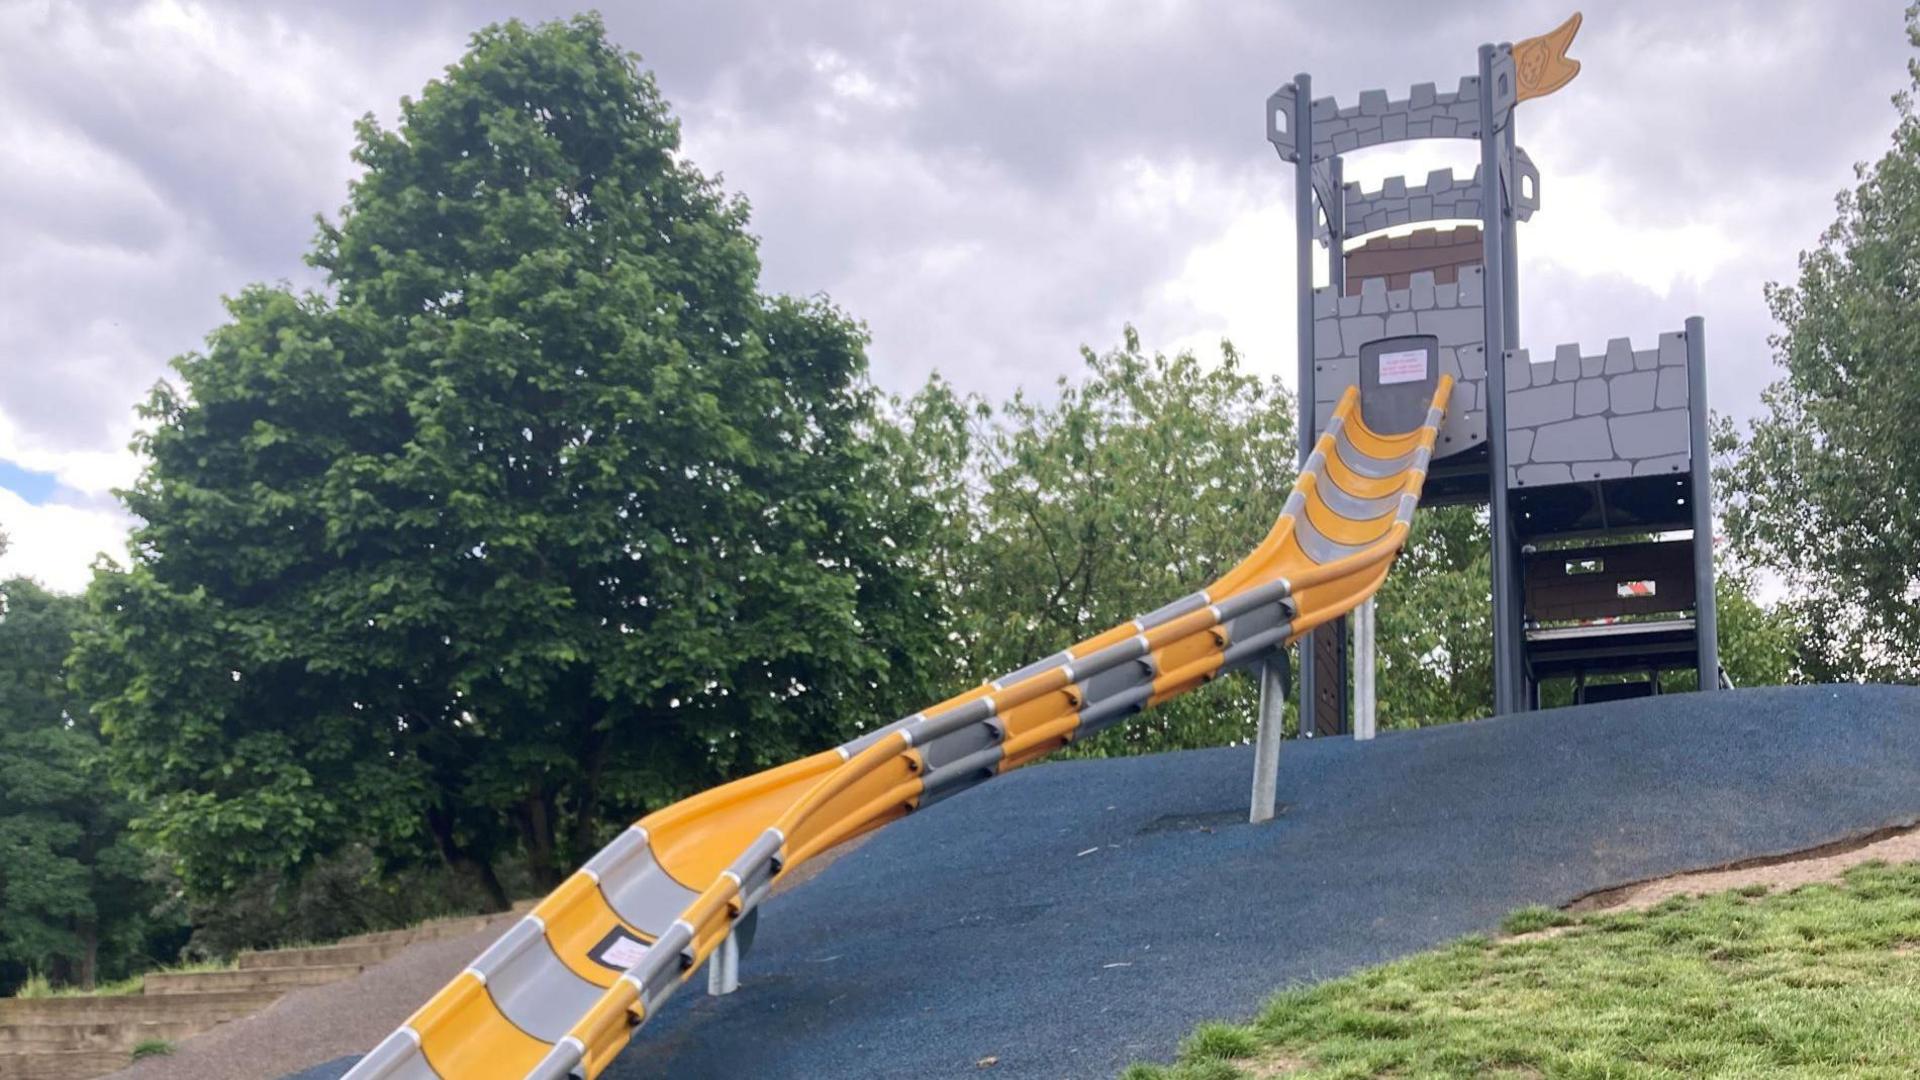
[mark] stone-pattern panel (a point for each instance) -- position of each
(1579, 418)
(1443, 197)
(1452, 312)
(1426, 113)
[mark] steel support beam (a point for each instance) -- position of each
(1365, 672)
(1506, 629)
(723, 968)
(1303, 316)
(1706, 620)
(1272, 673)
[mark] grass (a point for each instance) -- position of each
(37, 985)
(147, 1048)
(1819, 981)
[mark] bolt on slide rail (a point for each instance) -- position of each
(562, 992)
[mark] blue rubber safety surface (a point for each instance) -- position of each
(1073, 917)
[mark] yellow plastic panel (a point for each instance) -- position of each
(466, 1038)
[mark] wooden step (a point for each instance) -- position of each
(279, 979)
(71, 1065)
(362, 953)
(437, 929)
(40, 1038)
(213, 1007)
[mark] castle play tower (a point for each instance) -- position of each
(1598, 488)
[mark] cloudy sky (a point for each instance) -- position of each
(987, 183)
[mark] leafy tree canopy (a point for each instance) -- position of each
(541, 515)
(74, 895)
(1821, 489)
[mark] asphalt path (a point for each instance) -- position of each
(1070, 918)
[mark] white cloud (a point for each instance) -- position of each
(55, 543)
(1607, 237)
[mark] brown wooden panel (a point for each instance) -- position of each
(1398, 258)
(1330, 678)
(1558, 589)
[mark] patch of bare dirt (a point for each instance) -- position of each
(1825, 863)
(1273, 1066)
(323, 1023)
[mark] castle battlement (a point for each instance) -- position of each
(1427, 112)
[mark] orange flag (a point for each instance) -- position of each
(1542, 62)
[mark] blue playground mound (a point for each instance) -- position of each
(1078, 916)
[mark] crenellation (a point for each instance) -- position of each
(1426, 112)
(1566, 363)
(1605, 414)
(1421, 294)
(1619, 356)
(1519, 372)
(1380, 311)
(1442, 197)
(1373, 296)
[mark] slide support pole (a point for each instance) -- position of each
(1365, 689)
(723, 968)
(1266, 745)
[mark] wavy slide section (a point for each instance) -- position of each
(563, 991)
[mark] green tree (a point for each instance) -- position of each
(1760, 644)
(1135, 485)
(540, 516)
(1820, 490)
(1434, 628)
(74, 895)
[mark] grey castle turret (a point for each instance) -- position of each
(1586, 446)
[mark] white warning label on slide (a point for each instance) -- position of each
(624, 953)
(618, 950)
(1399, 367)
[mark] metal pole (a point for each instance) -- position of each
(1509, 238)
(1706, 624)
(1266, 743)
(723, 968)
(1524, 691)
(1365, 688)
(1303, 314)
(1505, 651)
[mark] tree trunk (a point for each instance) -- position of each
(586, 816)
(536, 831)
(87, 970)
(440, 824)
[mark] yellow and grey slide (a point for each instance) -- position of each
(563, 991)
